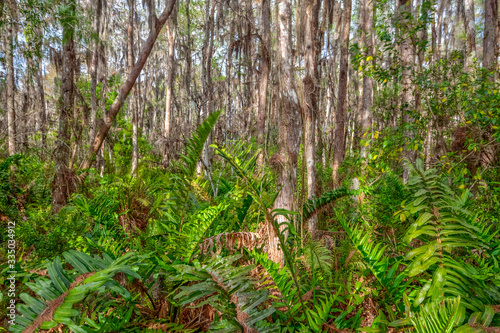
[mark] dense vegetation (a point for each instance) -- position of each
(219, 168)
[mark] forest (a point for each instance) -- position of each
(249, 166)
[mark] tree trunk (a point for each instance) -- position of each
(132, 103)
(289, 128)
(171, 34)
(127, 86)
(9, 59)
(64, 177)
(340, 112)
(94, 69)
(369, 44)
(264, 77)
(42, 108)
(490, 39)
(404, 9)
(207, 84)
(310, 108)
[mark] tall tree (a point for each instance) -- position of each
(406, 94)
(340, 112)
(94, 68)
(63, 178)
(133, 101)
(367, 100)
(310, 98)
(264, 75)
(289, 125)
(171, 35)
(10, 91)
(490, 34)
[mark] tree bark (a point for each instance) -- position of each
(310, 98)
(94, 69)
(42, 109)
(64, 177)
(490, 39)
(289, 128)
(171, 35)
(404, 11)
(264, 77)
(340, 112)
(127, 86)
(133, 107)
(9, 59)
(369, 44)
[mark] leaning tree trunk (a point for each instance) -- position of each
(289, 129)
(64, 177)
(310, 108)
(340, 112)
(127, 86)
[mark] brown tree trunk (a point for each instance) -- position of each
(490, 39)
(310, 98)
(264, 77)
(127, 86)
(340, 112)
(64, 178)
(290, 126)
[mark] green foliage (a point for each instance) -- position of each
(313, 206)
(385, 269)
(446, 229)
(229, 290)
(444, 316)
(57, 295)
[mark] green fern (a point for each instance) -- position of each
(446, 228)
(241, 170)
(229, 290)
(182, 180)
(313, 206)
(58, 294)
(283, 280)
(386, 271)
(435, 317)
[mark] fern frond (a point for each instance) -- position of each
(446, 228)
(386, 272)
(58, 294)
(227, 289)
(195, 144)
(313, 206)
(182, 180)
(436, 317)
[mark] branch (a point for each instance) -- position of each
(127, 86)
